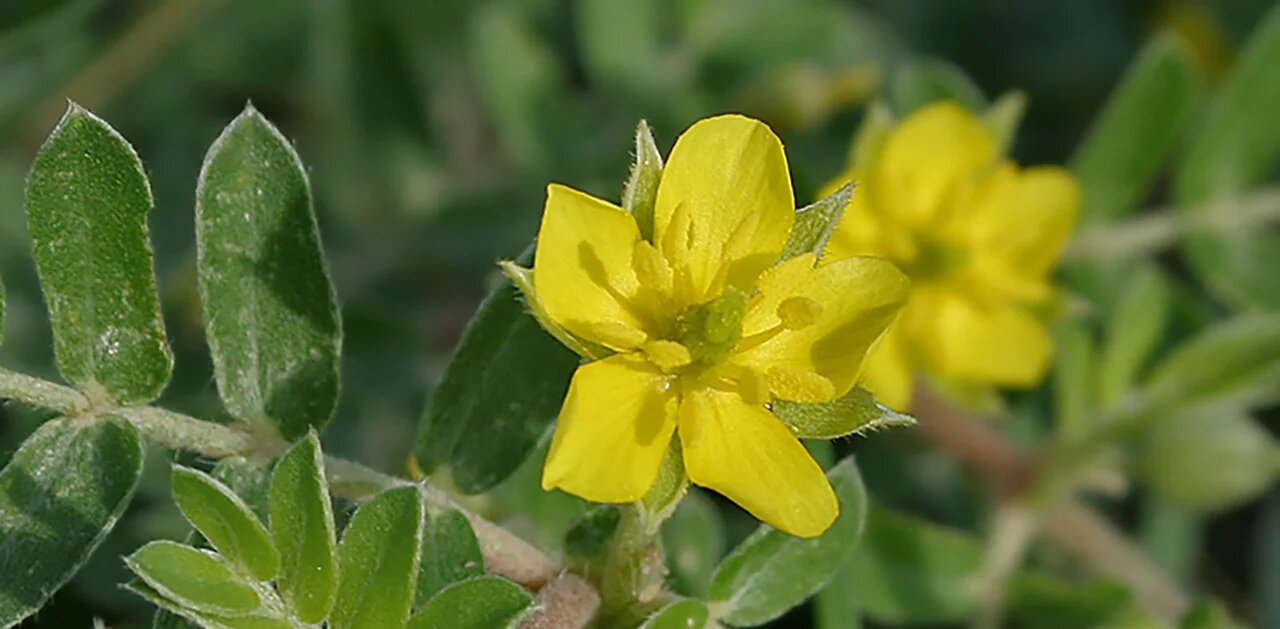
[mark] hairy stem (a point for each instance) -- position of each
(1165, 227)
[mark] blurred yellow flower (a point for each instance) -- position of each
(978, 237)
(707, 326)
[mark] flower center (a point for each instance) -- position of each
(710, 331)
(934, 259)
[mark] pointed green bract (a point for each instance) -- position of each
(450, 553)
(770, 572)
(815, 223)
(856, 412)
(1134, 330)
(87, 202)
(640, 194)
(1235, 150)
(679, 615)
(1003, 117)
(500, 394)
(378, 562)
(302, 527)
(193, 578)
(226, 522)
(478, 603)
(60, 495)
(270, 311)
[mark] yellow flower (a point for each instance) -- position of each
(977, 236)
(706, 330)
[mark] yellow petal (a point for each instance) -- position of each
(998, 343)
(888, 373)
(730, 174)
(582, 269)
(859, 297)
(932, 154)
(865, 228)
(1026, 218)
(614, 428)
(744, 452)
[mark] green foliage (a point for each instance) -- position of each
(1209, 458)
(498, 397)
(694, 542)
(302, 527)
(476, 603)
(1236, 361)
(679, 615)
(770, 572)
(270, 311)
(815, 223)
(226, 522)
(87, 203)
(450, 553)
(194, 579)
(60, 495)
(856, 412)
(1236, 149)
(1074, 375)
(378, 562)
(1120, 156)
(1135, 328)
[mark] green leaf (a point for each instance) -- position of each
(195, 579)
(815, 223)
(1121, 155)
(60, 495)
(694, 542)
(681, 614)
(770, 572)
(1208, 615)
(499, 395)
(1235, 361)
(87, 204)
(226, 522)
(640, 194)
(1134, 330)
(302, 527)
(588, 539)
(909, 571)
(1, 311)
(856, 412)
(1074, 396)
(450, 553)
(836, 605)
(174, 615)
(378, 562)
(270, 312)
(250, 480)
(1236, 149)
(477, 603)
(1209, 458)
(925, 81)
(1047, 603)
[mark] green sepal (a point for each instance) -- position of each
(1003, 117)
(815, 223)
(640, 194)
(522, 278)
(856, 412)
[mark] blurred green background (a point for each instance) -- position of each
(431, 129)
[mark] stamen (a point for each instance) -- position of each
(667, 355)
(616, 335)
(798, 385)
(799, 312)
(675, 239)
(753, 386)
(651, 268)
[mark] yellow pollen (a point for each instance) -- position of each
(753, 386)
(616, 335)
(667, 355)
(800, 386)
(799, 312)
(651, 268)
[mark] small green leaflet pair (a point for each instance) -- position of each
(270, 310)
(504, 386)
(390, 560)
